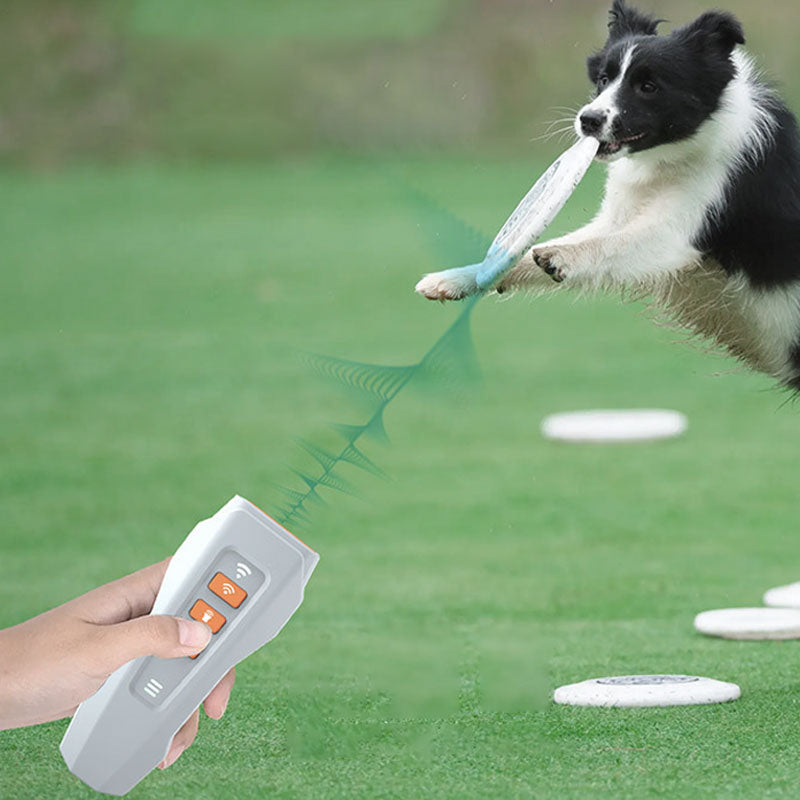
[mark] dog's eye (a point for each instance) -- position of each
(648, 87)
(602, 81)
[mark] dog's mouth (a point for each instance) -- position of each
(611, 148)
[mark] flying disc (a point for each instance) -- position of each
(537, 210)
(614, 426)
(750, 623)
(523, 228)
(643, 691)
(783, 596)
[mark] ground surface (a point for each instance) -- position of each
(150, 325)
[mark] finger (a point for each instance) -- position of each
(217, 701)
(111, 646)
(122, 599)
(181, 740)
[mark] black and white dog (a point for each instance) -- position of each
(702, 202)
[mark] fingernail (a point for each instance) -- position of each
(173, 757)
(193, 634)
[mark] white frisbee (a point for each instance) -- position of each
(642, 425)
(783, 596)
(647, 691)
(750, 623)
(522, 229)
(537, 210)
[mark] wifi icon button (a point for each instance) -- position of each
(227, 589)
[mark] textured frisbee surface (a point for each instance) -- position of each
(750, 623)
(521, 230)
(646, 691)
(614, 426)
(783, 596)
(537, 210)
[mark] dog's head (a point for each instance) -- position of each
(654, 90)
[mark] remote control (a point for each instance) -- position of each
(243, 575)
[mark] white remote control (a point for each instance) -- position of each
(243, 575)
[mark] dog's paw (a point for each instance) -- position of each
(452, 284)
(507, 284)
(553, 261)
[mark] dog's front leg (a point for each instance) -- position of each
(634, 255)
(456, 284)
(528, 274)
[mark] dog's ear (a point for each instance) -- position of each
(717, 31)
(623, 21)
(626, 21)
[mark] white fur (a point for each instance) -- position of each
(654, 206)
(641, 240)
(606, 102)
(450, 284)
(656, 201)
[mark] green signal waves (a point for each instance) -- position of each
(451, 361)
(450, 364)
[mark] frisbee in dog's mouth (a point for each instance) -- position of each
(614, 146)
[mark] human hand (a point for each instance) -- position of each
(53, 662)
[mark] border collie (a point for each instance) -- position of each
(701, 212)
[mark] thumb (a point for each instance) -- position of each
(151, 635)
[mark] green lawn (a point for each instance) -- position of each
(149, 337)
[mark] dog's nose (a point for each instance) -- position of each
(592, 121)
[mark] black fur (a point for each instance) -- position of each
(627, 21)
(756, 230)
(624, 22)
(690, 68)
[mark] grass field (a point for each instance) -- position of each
(151, 321)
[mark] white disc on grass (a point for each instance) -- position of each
(750, 623)
(614, 426)
(783, 596)
(644, 691)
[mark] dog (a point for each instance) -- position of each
(701, 212)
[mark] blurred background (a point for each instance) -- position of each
(260, 79)
(192, 194)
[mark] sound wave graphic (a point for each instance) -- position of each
(450, 363)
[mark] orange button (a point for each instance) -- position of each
(224, 587)
(203, 612)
